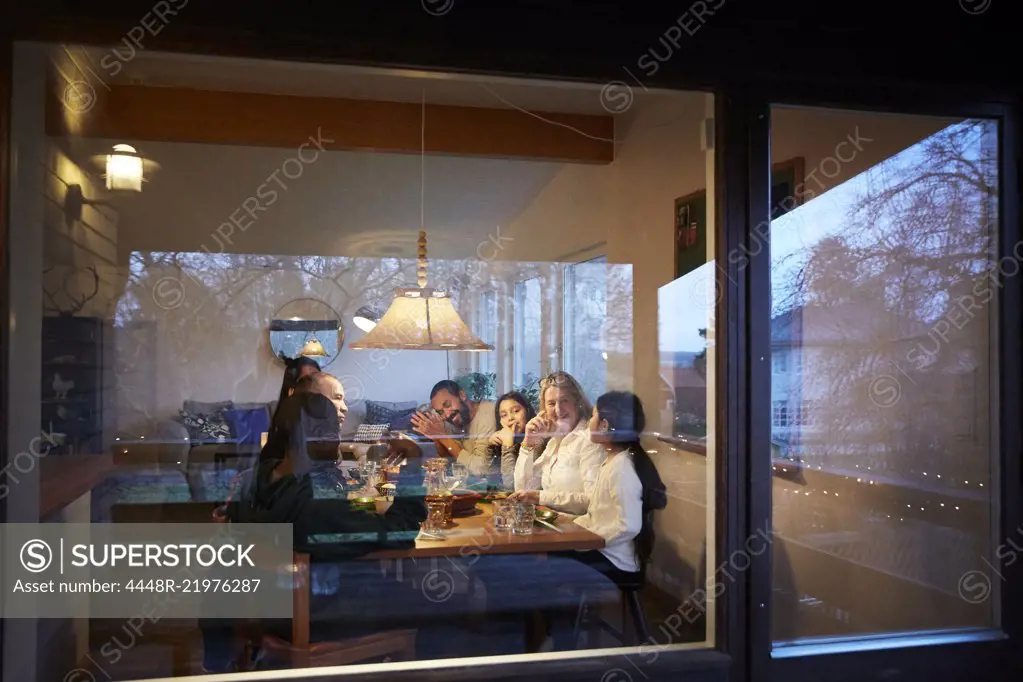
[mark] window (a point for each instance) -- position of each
(153, 340)
(585, 316)
(486, 329)
(864, 268)
(528, 331)
(780, 360)
(780, 413)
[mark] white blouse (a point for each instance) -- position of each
(564, 473)
(616, 511)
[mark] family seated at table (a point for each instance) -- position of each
(581, 460)
(572, 458)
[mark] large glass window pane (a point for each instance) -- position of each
(528, 335)
(884, 286)
(585, 316)
(487, 329)
(256, 331)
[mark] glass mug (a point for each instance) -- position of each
(523, 517)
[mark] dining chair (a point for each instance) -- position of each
(632, 607)
(396, 645)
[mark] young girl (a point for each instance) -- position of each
(627, 487)
(512, 413)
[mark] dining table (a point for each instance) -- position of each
(474, 534)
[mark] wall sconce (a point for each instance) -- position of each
(125, 168)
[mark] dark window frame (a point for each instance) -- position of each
(983, 654)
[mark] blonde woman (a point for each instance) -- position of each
(561, 474)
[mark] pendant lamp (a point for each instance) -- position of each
(313, 348)
(421, 318)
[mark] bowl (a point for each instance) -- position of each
(463, 501)
(548, 515)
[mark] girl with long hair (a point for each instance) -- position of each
(512, 412)
(627, 489)
(561, 473)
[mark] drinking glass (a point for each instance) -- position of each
(503, 514)
(524, 515)
(436, 518)
(459, 475)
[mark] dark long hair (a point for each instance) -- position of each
(494, 451)
(626, 421)
(291, 421)
(521, 400)
(292, 371)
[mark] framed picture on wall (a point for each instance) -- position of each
(690, 214)
(786, 177)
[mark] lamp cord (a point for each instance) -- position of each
(422, 162)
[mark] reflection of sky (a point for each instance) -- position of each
(683, 308)
(795, 234)
(683, 304)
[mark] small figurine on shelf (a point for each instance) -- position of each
(61, 386)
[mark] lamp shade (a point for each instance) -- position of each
(124, 168)
(313, 349)
(421, 319)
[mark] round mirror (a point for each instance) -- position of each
(309, 327)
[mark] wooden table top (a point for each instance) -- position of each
(473, 535)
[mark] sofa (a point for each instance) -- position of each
(196, 454)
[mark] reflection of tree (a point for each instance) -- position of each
(863, 304)
(700, 359)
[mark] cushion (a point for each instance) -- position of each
(206, 427)
(370, 433)
(198, 407)
(402, 421)
(248, 424)
(378, 412)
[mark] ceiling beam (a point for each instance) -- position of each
(134, 113)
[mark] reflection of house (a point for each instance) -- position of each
(850, 387)
(688, 389)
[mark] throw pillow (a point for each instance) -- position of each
(378, 412)
(206, 427)
(248, 424)
(402, 421)
(370, 433)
